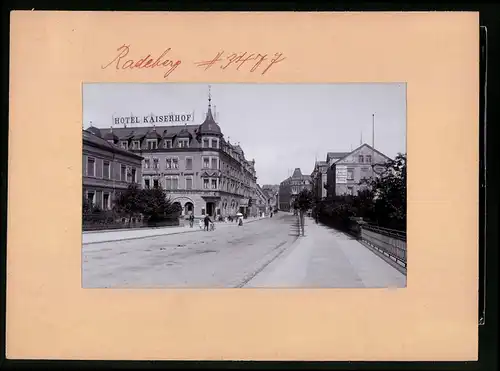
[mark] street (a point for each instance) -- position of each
(262, 253)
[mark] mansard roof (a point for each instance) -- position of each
(184, 133)
(94, 130)
(297, 173)
(153, 134)
(90, 138)
(110, 135)
(140, 132)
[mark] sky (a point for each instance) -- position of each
(281, 126)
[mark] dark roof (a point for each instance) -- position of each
(138, 136)
(209, 126)
(141, 131)
(95, 131)
(330, 155)
(184, 133)
(297, 173)
(110, 135)
(153, 134)
(128, 136)
(91, 139)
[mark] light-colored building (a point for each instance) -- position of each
(106, 169)
(319, 179)
(346, 172)
(291, 187)
(198, 168)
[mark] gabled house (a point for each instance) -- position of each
(345, 173)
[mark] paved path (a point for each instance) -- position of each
(261, 254)
(227, 257)
(328, 258)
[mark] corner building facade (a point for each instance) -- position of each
(198, 168)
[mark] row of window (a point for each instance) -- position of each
(188, 183)
(100, 199)
(208, 162)
(350, 172)
(127, 173)
(365, 159)
(172, 183)
(173, 163)
(167, 143)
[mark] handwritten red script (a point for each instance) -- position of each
(252, 61)
(238, 60)
(149, 61)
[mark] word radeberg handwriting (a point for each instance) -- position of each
(238, 60)
(148, 61)
(252, 61)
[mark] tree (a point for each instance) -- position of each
(154, 203)
(389, 194)
(303, 202)
(129, 202)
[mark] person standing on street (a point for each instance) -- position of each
(207, 221)
(191, 220)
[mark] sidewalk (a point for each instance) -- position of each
(326, 258)
(136, 233)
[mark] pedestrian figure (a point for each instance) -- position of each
(191, 220)
(207, 222)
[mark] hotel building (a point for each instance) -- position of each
(198, 168)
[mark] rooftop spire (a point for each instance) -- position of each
(209, 97)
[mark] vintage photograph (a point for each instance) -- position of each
(244, 185)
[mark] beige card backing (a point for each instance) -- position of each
(50, 316)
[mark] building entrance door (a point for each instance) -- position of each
(210, 208)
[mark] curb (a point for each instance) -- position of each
(154, 235)
(138, 238)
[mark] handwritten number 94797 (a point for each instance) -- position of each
(252, 61)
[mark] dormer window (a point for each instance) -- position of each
(206, 143)
(368, 159)
(152, 144)
(136, 144)
(215, 143)
(360, 159)
(183, 143)
(124, 144)
(167, 144)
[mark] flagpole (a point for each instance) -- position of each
(373, 142)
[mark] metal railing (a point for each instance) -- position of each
(390, 242)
